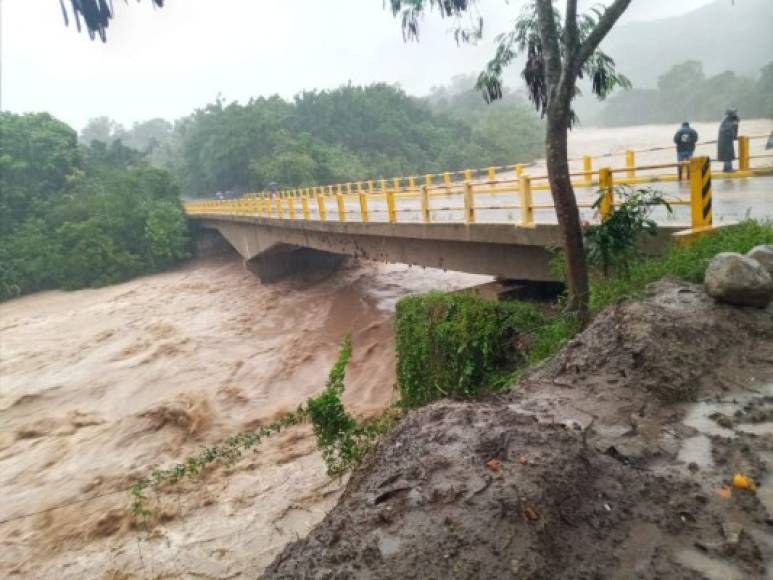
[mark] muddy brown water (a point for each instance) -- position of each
(97, 385)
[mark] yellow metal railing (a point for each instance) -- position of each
(442, 197)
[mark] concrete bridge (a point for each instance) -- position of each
(498, 221)
(272, 248)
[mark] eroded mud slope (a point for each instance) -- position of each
(613, 461)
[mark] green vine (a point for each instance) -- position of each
(342, 441)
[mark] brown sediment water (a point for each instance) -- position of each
(98, 385)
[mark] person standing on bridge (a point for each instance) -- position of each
(728, 133)
(685, 138)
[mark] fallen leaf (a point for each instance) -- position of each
(741, 481)
(493, 464)
(522, 460)
(724, 492)
(531, 514)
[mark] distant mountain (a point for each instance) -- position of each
(721, 35)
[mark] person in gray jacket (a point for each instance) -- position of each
(685, 139)
(728, 133)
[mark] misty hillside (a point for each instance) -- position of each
(720, 35)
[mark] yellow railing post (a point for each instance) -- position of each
(396, 184)
(322, 207)
(348, 189)
(468, 174)
(519, 169)
(447, 179)
(700, 192)
(383, 185)
(291, 205)
(391, 209)
(341, 208)
(743, 153)
(587, 167)
(607, 190)
(279, 210)
(492, 175)
(411, 183)
(363, 207)
(469, 203)
(371, 185)
(630, 163)
(305, 206)
(527, 206)
(428, 180)
(426, 216)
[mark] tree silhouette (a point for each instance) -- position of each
(96, 15)
(558, 53)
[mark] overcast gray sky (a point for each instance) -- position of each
(165, 63)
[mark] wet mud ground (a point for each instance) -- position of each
(615, 460)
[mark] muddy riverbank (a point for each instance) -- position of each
(615, 460)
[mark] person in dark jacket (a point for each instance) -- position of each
(728, 133)
(685, 138)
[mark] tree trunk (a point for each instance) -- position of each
(566, 210)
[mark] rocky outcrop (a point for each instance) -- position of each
(739, 280)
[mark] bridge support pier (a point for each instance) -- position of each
(304, 264)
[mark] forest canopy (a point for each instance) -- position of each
(74, 216)
(686, 93)
(332, 136)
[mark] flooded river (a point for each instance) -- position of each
(96, 386)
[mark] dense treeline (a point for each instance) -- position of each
(104, 210)
(74, 216)
(685, 93)
(321, 137)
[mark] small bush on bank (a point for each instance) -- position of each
(454, 345)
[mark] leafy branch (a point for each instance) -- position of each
(615, 242)
(341, 439)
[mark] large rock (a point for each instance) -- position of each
(736, 279)
(764, 255)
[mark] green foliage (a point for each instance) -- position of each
(687, 261)
(73, 216)
(457, 345)
(685, 93)
(614, 243)
(323, 137)
(166, 232)
(340, 438)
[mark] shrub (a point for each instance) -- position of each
(457, 345)
(90, 256)
(166, 234)
(614, 243)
